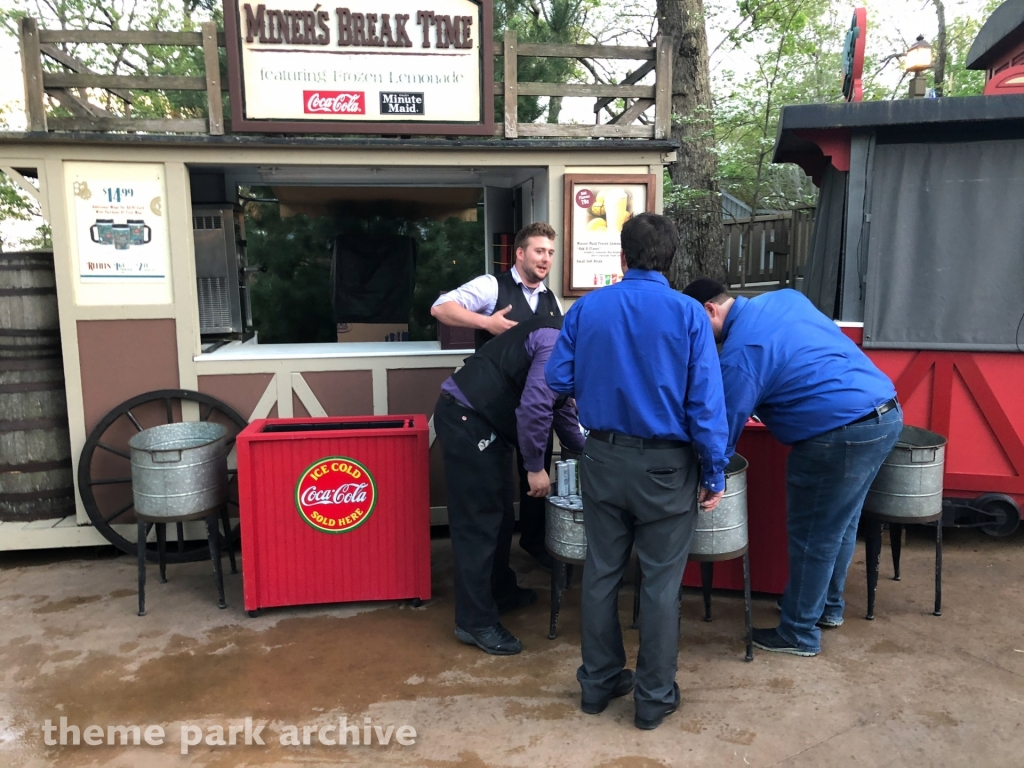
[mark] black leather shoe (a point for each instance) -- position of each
(495, 640)
(649, 724)
(521, 599)
(622, 686)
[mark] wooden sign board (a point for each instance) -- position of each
(400, 67)
(594, 209)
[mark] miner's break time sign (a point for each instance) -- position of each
(369, 66)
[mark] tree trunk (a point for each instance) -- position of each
(695, 206)
(940, 47)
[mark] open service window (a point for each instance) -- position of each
(348, 255)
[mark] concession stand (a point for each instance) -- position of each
(153, 283)
(916, 254)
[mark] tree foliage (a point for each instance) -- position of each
(153, 15)
(542, 21)
(291, 301)
(794, 56)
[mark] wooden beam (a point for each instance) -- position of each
(168, 125)
(551, 130)
(663, 88)
(636, 109)
(588, 51)
(22, 182)
(123, 37)
(32, 70)
(630, 79)
(215, 109)
(511, 84)
(598, 89)
(76, 65)
(135, 82)
(76, 105)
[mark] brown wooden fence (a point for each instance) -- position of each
(51, 72)
(768, 252)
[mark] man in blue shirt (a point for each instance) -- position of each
(818, 392)
(640, 360)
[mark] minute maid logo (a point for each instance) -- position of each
(336, 495)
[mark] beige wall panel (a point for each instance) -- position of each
(242, 391)
(607, 169)
(120, 359)
(341, 393)
(415, 390)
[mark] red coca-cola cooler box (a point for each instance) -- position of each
(334, 510)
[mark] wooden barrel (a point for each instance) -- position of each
(36, 482)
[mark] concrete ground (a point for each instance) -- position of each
(908, 689)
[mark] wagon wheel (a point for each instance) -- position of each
(1003, 513)
(105, 473)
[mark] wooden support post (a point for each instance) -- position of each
(663, 88)
(211, 54)
(511, 84)
(32, 68)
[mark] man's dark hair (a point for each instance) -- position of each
(649, 241)
(705, 289)
(537, 229)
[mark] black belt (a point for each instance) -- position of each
(629, 441)
(885, 407)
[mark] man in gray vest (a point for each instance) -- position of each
(498, 400)
(492, 304)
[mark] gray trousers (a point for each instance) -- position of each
(650, 497)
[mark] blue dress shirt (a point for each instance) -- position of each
(640, 360)
(792, 365)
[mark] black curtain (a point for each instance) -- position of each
(373, 278)
(946, 252)
(821, 274)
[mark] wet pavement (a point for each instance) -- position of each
(905, 689)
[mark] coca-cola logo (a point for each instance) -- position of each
(334, 102)
(336, 494)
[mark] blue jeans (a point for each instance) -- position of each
(827, 479)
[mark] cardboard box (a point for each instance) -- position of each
(349, 332)
(452, 337)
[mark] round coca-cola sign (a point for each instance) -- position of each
(336, 494)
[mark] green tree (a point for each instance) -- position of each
(542, 21)
(291, 301)
(18, 205)
(167, 15)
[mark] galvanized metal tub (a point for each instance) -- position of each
(179, 470)
(908, 486)
(564, 535)
(721, 534)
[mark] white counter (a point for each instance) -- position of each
(366, 349)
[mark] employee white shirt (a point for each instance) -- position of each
(480, 294)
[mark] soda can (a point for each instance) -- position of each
(563, 477)
(571, 465)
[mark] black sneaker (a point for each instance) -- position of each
(521, 599)
(495, 640)
(769, 640)
(622, 686)
(649, 724)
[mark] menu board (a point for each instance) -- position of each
(120, 225)
(596, 208)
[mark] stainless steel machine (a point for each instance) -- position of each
(222, 274)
